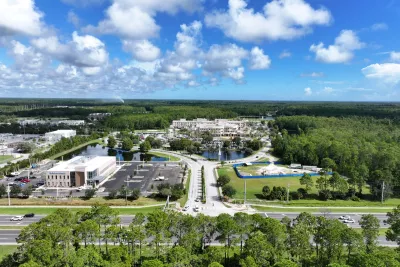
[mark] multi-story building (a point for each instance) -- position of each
(218, 127)
(80, 171)
(57, 135)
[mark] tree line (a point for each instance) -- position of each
(172, 239)
(364, 150)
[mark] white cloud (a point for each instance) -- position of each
(308, 91)
(258, 60)
(83, 3)
(73, 18)
(341, 51)
(26, 58)
(20, 17)
(136, 19)
(142, 50)
(387, 72)
(83, 51)
(225, 60)
(395, 56)
(285, 54)
(312, 74)
(379, 27)
(328, 90)
(280, 20)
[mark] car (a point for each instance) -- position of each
(33, 177)
(40, 183)
(197, 200)
(197, 208)
(29, 215)
(266, 215)
(19, 179)
(16, 218)
(185, 208)
(344, 217)
(80, 188)
(349, 221)
(25, 180)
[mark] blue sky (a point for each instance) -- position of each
(201, 49)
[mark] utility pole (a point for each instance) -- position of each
(383, 189)
(287, 196)
(8, 193)
(126, 191)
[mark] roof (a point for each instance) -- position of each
(82, 163)
(62, 132)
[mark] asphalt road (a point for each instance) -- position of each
(126, 219)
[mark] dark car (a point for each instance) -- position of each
(29, 215)
(33, 177)
(19, 179)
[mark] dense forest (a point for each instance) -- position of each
(171, 239)
(158, 114)
(365, 150)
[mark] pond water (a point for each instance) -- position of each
(225, 155)
(98, 150)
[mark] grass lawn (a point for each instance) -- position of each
(162, 155)
(142, 201)
(185, 197)
(97, 141)
(46, 211)
(254, 186)
(8, 249)
(330, 209)
(5, 158)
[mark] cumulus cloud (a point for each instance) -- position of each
(285, 54)
(83, 51)
(395, 56)
(341, 51)
(258, 60)
(142, 50)
(135, 19)
(312, 74)
(328, 90)
(308, 91)
(379, 27)
(20, 17)
(73, 18)
(280, 20)
(386, 72)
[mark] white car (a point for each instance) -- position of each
(349, 221)
(344, 217)
(17, 218)
(185, 208)
(197, 208)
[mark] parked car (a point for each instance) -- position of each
(16, 218)
(185, 208)
(19, 179)
(25, 180)
(197, 208)
(29, 215)
(40, 183)
(33, 177)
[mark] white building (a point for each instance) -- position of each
(80, 171)
(218, 127)
(57, 135)
(71, 122)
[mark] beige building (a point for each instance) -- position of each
(218, 127)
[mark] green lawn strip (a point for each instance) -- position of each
(12, 227)
(185, 197)
(382, 231)
(46, 211)
(321, 209)
(7, 249)
(162, 155)
(97, 141)
(5, 158)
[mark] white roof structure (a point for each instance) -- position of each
(62, 132)
(81, 163)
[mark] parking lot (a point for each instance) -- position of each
(144, 176)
